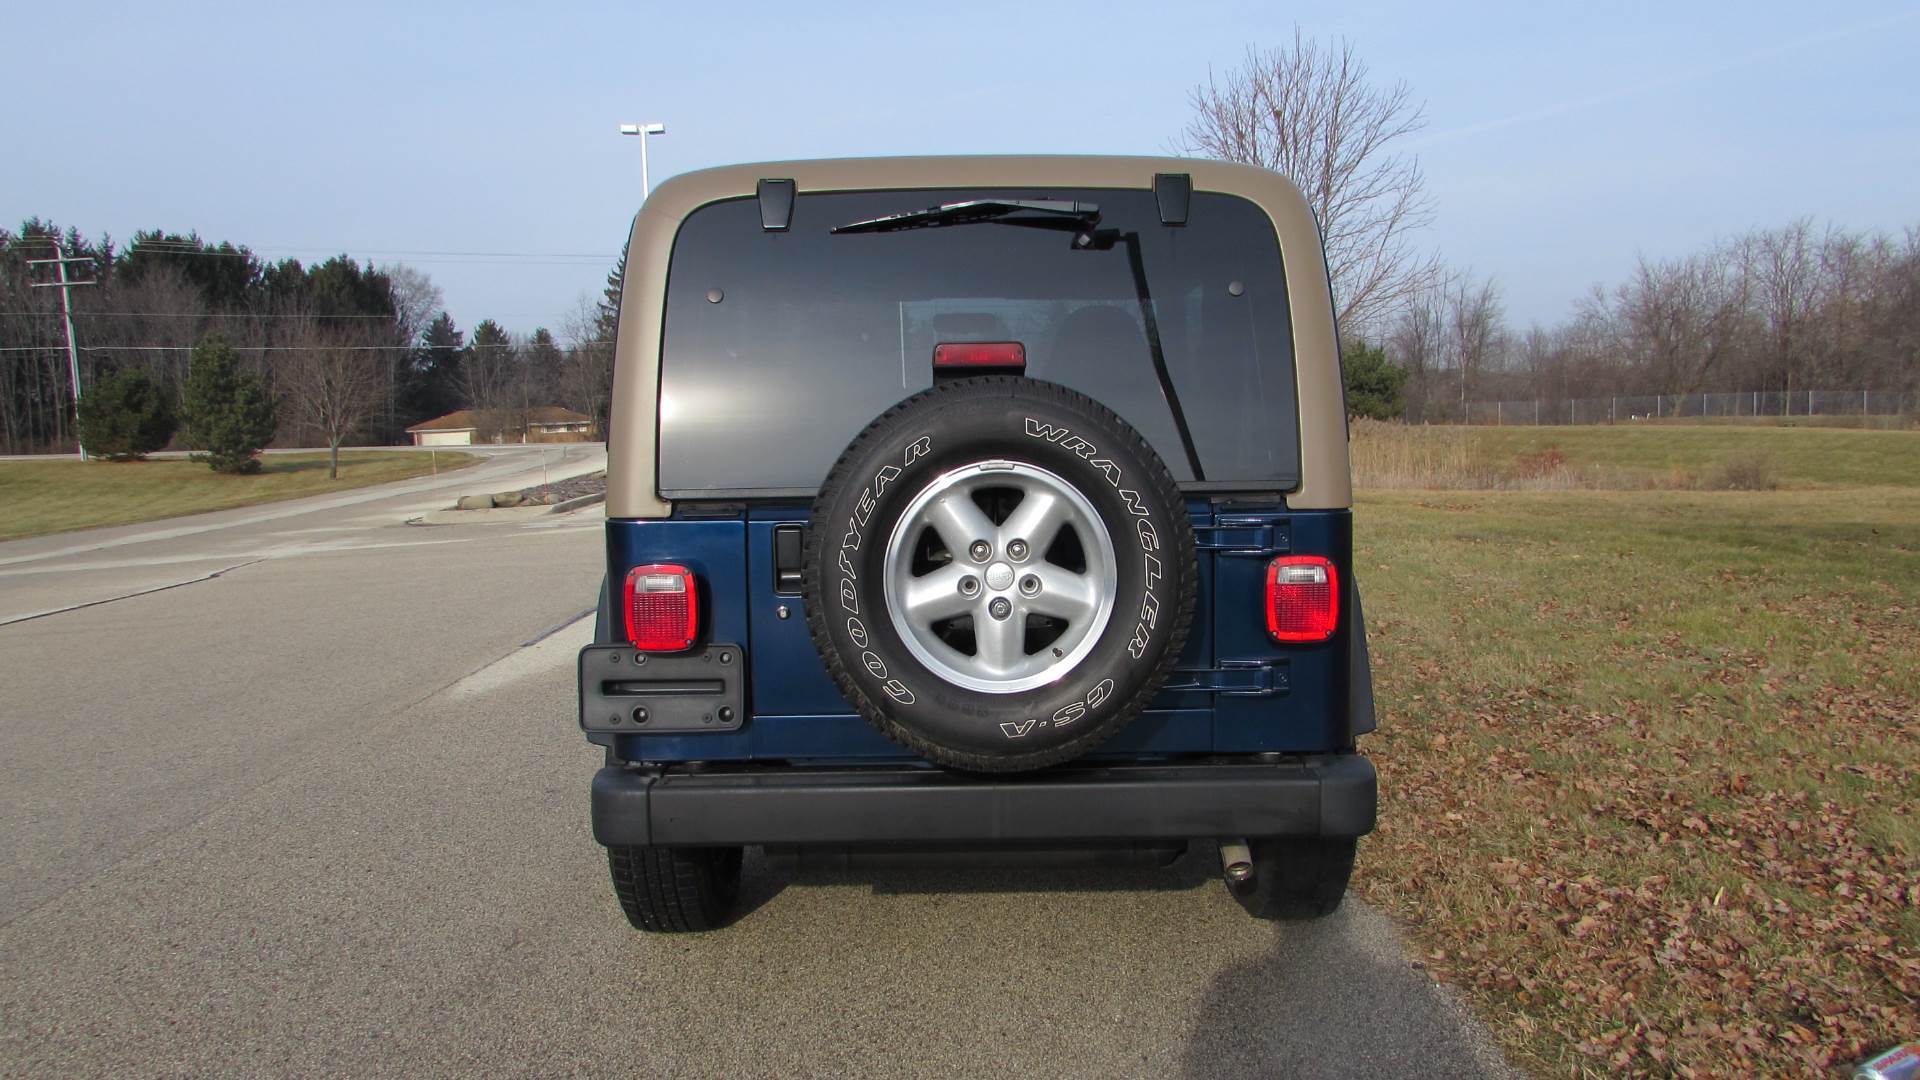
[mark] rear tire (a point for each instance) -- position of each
(1297, 877)
(676, 890)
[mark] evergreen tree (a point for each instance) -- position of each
(607, 311)
(225, 275)
(125, 416)
(431, 386)
(341, 286)
(544, 363)
(488, 377)
(1373, 382)
(228, 412)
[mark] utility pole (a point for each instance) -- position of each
(66, 287)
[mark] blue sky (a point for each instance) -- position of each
(1563, 142)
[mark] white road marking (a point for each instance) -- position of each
(283, 551)
(9, 620)
(556, 650)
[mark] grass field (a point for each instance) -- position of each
(55, 496)
(1649, 757)
(1629, 457)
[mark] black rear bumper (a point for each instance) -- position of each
(1328, 795)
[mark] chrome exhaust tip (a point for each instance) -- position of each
(1236, 861)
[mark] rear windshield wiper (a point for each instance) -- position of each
(1043, 213)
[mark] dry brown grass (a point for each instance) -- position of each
(1393, 456)
(1399, 456)
(1647, 764)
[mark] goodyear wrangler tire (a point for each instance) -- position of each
(999, 573)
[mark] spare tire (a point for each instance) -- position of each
(999, 574)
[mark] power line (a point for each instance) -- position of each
(201, 315)
(265, 253)
(174, 247)
(253, 253)
(296, 348)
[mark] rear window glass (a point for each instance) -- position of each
(779, 347)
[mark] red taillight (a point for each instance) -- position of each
(1303, 598)
(1006, 355)
(663, 610)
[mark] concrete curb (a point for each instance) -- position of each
(577, 502)
(495, 516)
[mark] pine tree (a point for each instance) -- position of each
(487, 378)
(125, 416)
(431, 386)
(607, 311)
(228, 412)
(1373, 382)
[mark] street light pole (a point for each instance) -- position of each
(643, 130)
(66, 287)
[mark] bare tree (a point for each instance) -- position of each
(1476, 330)
(1786, 270)
(1682, 320)
(1418, 342)
(1313, 115)
(586, 377)
(416, 299)
(333, 381)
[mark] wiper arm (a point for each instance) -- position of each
(1043, 213)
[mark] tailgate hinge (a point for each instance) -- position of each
(1233, 678)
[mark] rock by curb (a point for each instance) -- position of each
(562, 495)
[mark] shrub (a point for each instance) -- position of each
(227, 410)
(1538, 466)
(125, 416)
(1745, 472)
(1372, 381)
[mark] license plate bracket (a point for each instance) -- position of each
(627, 691)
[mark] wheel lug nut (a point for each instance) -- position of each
(1000, 608)
(980, 550)
(969, 585)
(1017, 550)
(1030, 585)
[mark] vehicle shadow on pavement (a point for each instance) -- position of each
(1335, 997)
(1001, 873)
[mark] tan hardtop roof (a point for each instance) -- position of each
(689, 191)
(632, 480)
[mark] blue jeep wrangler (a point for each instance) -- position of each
(977, 504)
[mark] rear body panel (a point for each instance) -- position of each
(1233, 691)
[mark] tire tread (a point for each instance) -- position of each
(675, 890)
(1298, 878)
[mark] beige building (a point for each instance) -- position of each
(468, 427)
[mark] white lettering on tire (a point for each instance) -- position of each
(1078, 709)
(1148, 618)
(848, 591)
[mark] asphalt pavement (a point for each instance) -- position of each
(299, 790)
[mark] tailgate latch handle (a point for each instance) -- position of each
(786, 559)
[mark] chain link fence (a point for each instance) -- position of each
(1756, 403)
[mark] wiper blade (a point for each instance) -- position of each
(1045, 213)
